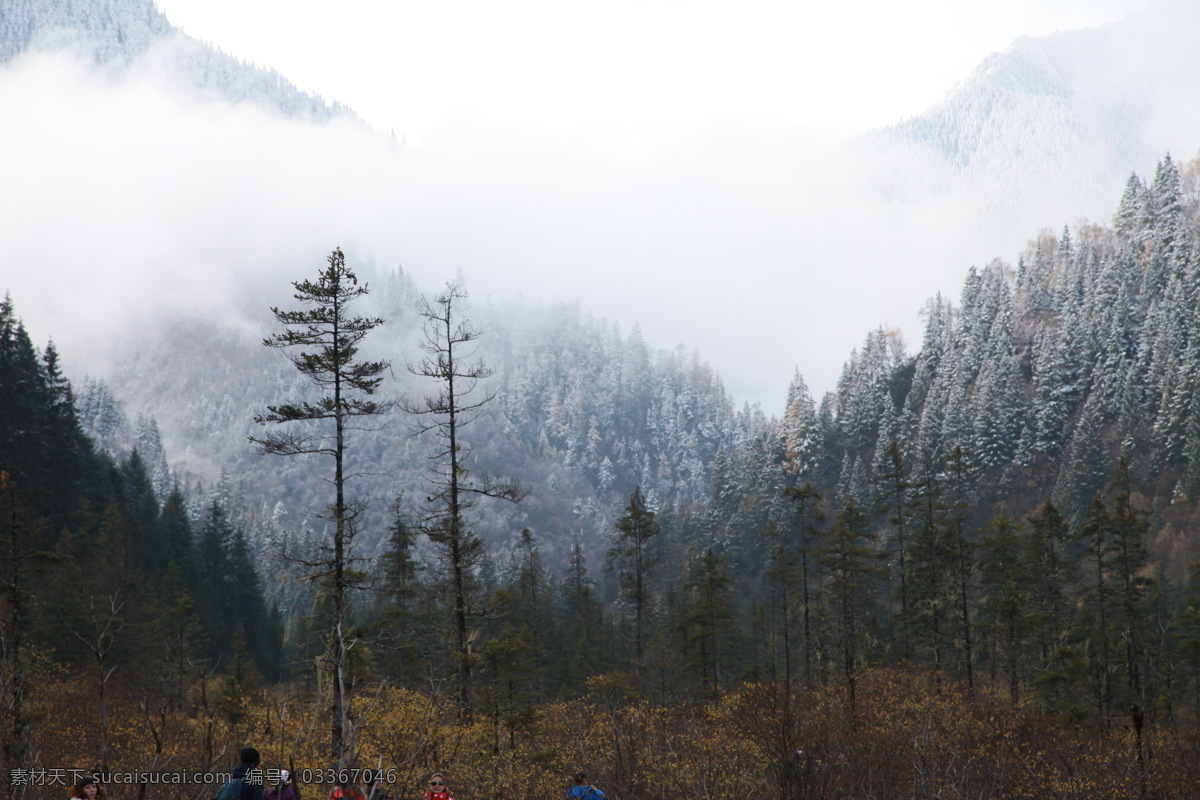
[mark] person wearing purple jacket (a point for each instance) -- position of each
(282, 790)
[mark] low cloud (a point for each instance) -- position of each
(763, 246)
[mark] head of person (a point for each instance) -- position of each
(88, 788)
(250, 757)
(437, 782)
(284, 776)
(580, 778)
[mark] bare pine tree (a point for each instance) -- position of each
(448, 342)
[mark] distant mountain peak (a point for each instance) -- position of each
(1053, 123)
(117, 33)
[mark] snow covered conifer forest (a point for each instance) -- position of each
(1010, 508)
(970, 569)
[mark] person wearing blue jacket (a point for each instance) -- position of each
(582, 790)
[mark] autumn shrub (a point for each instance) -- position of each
(909, 737)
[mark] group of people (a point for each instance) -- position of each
(243, 787)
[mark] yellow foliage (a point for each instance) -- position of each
(911, 738)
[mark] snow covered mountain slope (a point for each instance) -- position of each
(116, 33)
(1054, 123)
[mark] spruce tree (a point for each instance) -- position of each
(809, 547)
(1189, 640)
(1051, 576)
(849, 556)
(960, 550)
(633, 559)
(1096, 620)
(1127, 544)
(708, 620)
(400, 590)
(322, 340)
(16, 583)
(929, 565)
(582, 634)
(70, 456)
(892, 484)
(23, 403)
(801, 432)
(1006, 597)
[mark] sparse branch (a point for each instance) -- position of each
(451, 361)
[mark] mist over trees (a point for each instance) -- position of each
(1001, 523)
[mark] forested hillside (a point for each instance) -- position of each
(1007, 516)
(582, 415)
(1044, 375)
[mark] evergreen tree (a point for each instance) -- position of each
(1006, 597)
(326, 338)
(260, 630)
(961, 556)
(801, 431)
(1084, 466)
(1189, 640)
(1166, 242)
(531, 601)
(891, 479)
(929, 560)
(508, 686)
(998, 411)
(70, 456)
(808, 551)
(141, 511)
(1128, 529)
(1130, 209)
(400, 589)
(16, 582)
(1050, 576)
(582, 628)
(1051, 406)
(776, 634)
(938, 334)
(633, 559)
(1095, 621)
(848, 555)
(178, 542)
(214, 598)
(708, 621)
(864, 385)
(22, 404)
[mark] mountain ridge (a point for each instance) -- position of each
(118, 33)
(1052, 112)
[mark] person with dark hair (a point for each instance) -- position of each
(582, 790)
(246, 779)
(378, 791)
(88, 788)
(439, 788)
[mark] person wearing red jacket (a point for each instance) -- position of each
(344, 792)
(438, 788)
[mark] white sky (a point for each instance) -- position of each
(660, 162)
(630, 64)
